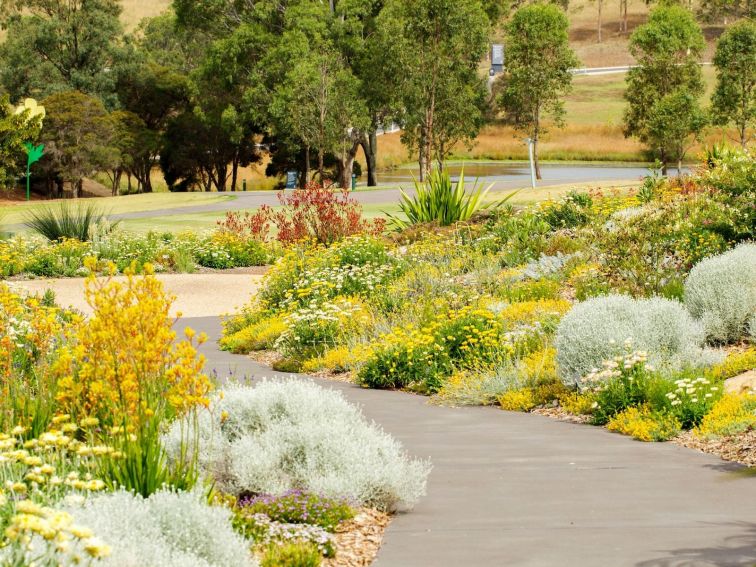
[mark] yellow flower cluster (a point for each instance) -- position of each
(730, 415)
(339, 359)
(529, 312)
(518, 400)
(735, 363)
(51, 463)
(640, 423)
(257, 336)
(610, 204)
(124, 364)
(55, 527)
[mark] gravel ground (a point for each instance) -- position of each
(197, 295)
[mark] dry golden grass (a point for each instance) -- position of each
(134, 11)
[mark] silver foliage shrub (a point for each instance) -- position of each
(282, 435)
(597, 329)
(167, 530)
(721, 292)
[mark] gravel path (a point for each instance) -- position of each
(197, 295)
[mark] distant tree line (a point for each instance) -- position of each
(203, 88)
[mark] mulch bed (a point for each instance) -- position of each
(738, 448)
(358, 540)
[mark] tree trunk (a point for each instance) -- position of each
(234, 172)
(421, 157)
(305, 178)
(370, 148)
(321, 167)
(346, 164)
(600, 4)
(76, 188)
(663, 159)
(536, 165)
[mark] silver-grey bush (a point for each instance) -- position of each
(721, 292)
(596, 330)
(282, 435)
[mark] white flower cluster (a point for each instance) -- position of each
(336, 280)
(292, 434)
(280, 533)
(692, 390)
(615, 367)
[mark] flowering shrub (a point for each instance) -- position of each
(259, 335)
(736, 363)
(29, 334)
(732, 414)
(690, 399)
(310, 331)
(643, 424)
(623, 382)
(314, 212)
(270, 534)
(299, 507)
(593, 330)
(125, 369)
(272, 438)
(721, 292)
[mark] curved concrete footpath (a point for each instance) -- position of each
(519, 489)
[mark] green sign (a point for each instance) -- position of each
(34, 154)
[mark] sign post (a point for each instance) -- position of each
(33, 155)
(291, 179)
(529, 142)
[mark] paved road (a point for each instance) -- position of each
(519, 489)
(510, 176)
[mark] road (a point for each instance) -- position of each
(504, 177)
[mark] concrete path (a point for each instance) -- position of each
(519, 489)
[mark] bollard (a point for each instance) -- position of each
(354, 182)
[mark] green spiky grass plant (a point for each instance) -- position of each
(65, 221)
(442, 201)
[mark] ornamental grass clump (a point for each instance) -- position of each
(595, 330)
(169, 529)
(721, 292)
(273, 438)
(65, 221)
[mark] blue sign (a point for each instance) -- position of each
(291, 179)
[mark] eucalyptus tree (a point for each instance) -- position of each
(668, 51)
(432, 50)
(538, 71)
(54, 46)
(734, 98)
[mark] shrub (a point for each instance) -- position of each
(273, 438)
(65, 221)
(313, 213)
(299, 507)
(292, 555)
(689, 398)
(736, 363)
(261, 335)
(518, 400)
(731, 415)
(643, 424)
(265, 532)
(721, 292)
(439, 200)
(591, 332)
(478, 385)
(168, 529)
(578, 403)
